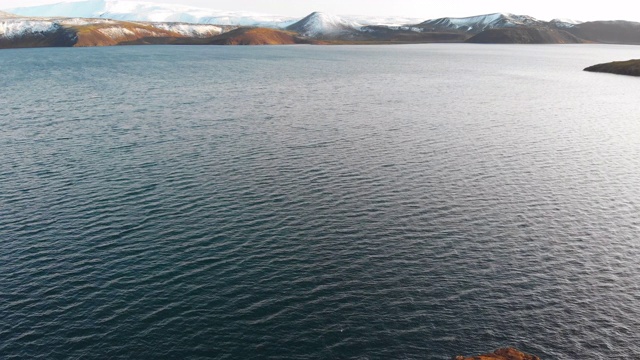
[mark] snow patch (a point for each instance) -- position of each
(82, 22)
(568, 21)
(410, 28)
(17, 28)
(474, 21)
(565, 23)
(190, 30)
(116, 32)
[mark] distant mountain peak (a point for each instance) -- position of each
(479, 23)
(318, 24)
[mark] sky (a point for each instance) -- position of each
(427, 9)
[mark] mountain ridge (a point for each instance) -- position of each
(316, 28)
(478, 23)
(18, 32)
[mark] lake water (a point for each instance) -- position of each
(318, 202)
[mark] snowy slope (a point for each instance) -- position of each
(13, 28)
(565, 23)
(80, 21)
(319, 24)
(56, 31)
(480, 23)
(191, 30)
(146, 11)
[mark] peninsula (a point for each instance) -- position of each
(629, 67)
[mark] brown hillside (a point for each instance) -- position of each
(105, 34)
(257, 36)
(608, 32)
(525, 35)
(382, 34)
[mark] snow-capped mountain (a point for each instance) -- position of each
(319, 24)
(476, 24)
(120, 22)
(153, 12)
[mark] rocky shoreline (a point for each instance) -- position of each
(500, 354)
(629, 67)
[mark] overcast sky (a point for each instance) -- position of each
(542, 9)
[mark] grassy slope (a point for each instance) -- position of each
(257, 36)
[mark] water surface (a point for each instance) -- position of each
(318, 202)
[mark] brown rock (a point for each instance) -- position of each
(501, 354)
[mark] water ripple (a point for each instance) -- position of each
(386, 206)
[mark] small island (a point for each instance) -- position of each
(501, 354)
(629, 67)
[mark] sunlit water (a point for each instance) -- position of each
(318, 202)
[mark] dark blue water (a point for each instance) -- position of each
(307, 202)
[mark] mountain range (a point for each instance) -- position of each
(115, 22)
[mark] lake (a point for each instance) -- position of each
(369, 202)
